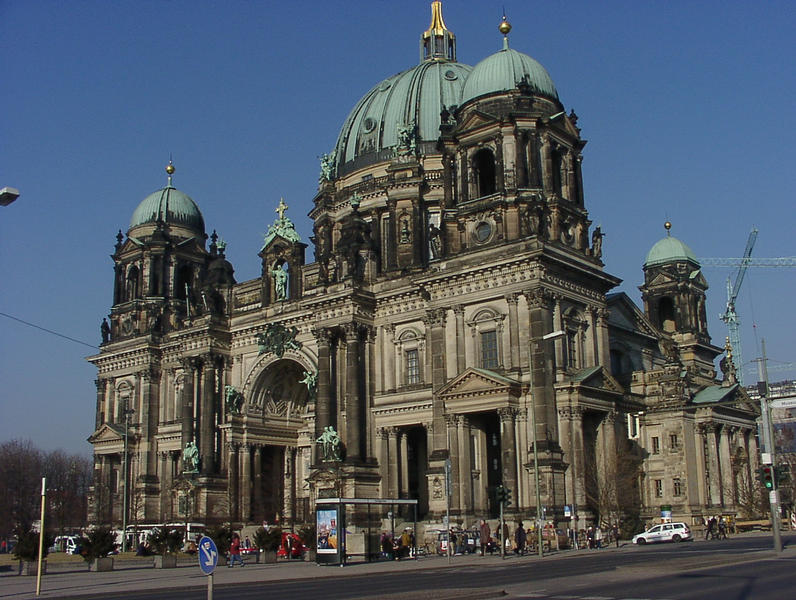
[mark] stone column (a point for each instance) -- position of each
(603, 349)
(461, 360)
(233, 485)
(543, 397)
(323, 413)
(465, 465)
(388, 349)
(727, 479)
(245, 483)
(592, 351)
(702, 466)
(354, 413)
(384, 461)
(392, 457)
(561, 346)
(288, 510)
(165, 485)
(257, 482)
(608, 426)
(514, 332)
(547, 165)
(714, 473)
(403, 488)
(568, 446)
(149, 422)
(99, 416)
(451, 424)
(188, 371)
(435, 322)
(508, 450)
(207, 415)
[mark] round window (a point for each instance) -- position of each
(482, 231)
(369, 124)
(450, 75)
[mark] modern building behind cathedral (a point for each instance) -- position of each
(455, 307)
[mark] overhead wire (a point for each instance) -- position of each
(50, 331)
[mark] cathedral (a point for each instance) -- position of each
(455, 316)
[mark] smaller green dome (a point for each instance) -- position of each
(502, 72)
(670, 250)
(170, 206)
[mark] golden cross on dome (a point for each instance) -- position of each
(281, 208)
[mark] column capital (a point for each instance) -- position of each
(351, 331)
(435, 317)
(507, 413)
(539, 298)
(323, 335)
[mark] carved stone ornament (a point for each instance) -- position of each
(190, 458)
(277, 339)
(233, 400)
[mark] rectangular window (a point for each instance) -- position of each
(489, 350)
(412, 367)
(659, 488)
(678, 487)
(572, 349)
(674, 442)
(656, 445)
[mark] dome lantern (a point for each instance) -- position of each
(437, 43)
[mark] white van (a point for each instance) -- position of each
(66, 543)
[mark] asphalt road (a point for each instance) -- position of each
(741, 568)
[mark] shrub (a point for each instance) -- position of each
(308, 535)
(27, 548)
(99, 543)
(268, 540)
(222, 536)
(163, 541)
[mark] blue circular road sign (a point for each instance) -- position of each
(208, 555)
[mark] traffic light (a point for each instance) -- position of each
(767, 476)
(504, 495)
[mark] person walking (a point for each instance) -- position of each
(519, 539)
(615, 533)
(598, 538)
(234, 552)
(711, 526)
(485, 534)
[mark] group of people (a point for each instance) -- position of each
(397, 547)
(716, 528)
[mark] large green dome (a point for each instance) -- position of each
(502, 72)
(171, 207)
(669, 250)
(415, 96)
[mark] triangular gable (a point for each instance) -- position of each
(476, 119)
(625, 314)
(597, 377)
(480, 382)
(107, 433)
(662, 278)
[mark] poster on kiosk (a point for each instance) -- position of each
(331, 535)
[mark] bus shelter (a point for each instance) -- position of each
(350, 529)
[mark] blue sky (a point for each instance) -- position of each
(688, 108)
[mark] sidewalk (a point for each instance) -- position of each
(72, 579)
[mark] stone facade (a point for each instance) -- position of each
(455, 299)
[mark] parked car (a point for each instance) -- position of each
(665, 532)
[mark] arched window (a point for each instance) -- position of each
(132, 283)
(484, 169)
(666, 319)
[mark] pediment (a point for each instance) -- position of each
(662, 278)
(107, 434)
(479, 382)
(475, 120)
(626, 315)
(598, 378)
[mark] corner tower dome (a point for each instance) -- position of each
(502, 71)
(670, 250)
(169, 206)
(411, 99)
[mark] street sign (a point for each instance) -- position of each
(786, 402)
(208, 555)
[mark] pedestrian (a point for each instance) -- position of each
(234, 552)
(519, 539)
(598, 538)
(722, 529)
(386, 546)
(590, 536)
(485, 534)
(615, 533)
(709, 531)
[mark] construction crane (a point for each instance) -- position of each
(730, 316)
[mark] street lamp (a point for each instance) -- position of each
(8, 195)
(550, 336)
(127, 413)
